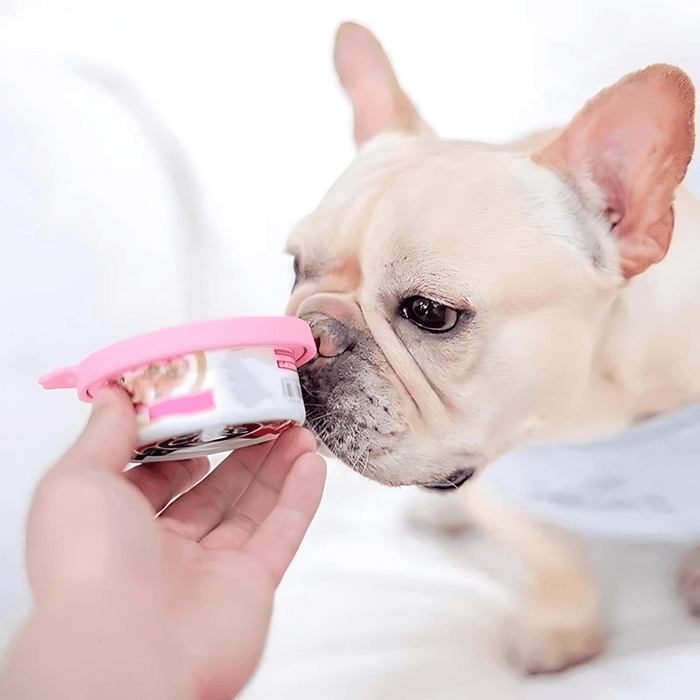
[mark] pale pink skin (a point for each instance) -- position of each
(176, 606)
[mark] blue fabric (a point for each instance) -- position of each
(643, 483)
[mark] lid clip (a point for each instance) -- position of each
(63, 378)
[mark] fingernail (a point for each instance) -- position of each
(310, 467)
(104, 397)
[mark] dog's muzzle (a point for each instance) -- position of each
(453, 481)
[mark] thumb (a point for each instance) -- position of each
(108, 440)
(88, 526)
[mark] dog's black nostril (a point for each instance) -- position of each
(330, 343)
(332, 337)
(453, 481)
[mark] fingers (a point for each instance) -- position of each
(277, 540)
(161, 482)
(108, 442)
(109, 438)
(262, 494)
(202, 508)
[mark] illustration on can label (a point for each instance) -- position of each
(248, 431)
(148, 386)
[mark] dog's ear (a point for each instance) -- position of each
(379, 104)
(632, 143)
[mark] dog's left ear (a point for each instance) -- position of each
(365, 72)
(632, 143)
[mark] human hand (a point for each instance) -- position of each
(186, 596)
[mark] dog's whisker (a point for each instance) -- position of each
(366, 464)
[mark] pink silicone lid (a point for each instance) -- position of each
(108, 364)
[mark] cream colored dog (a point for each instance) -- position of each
(468, 298)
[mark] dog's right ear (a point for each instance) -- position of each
(379, 104)
(630, 147)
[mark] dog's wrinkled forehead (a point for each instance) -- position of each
(431, 217)
(337, 226)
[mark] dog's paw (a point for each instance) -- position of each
(437, 513)
(535, 647)
(688, 582)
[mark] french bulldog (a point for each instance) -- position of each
(469, 298)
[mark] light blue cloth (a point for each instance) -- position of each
(643, 483)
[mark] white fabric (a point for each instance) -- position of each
(372, 610)
(128, 209)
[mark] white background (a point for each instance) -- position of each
(153, 156)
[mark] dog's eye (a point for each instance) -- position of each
(296, 273)
(429, 314)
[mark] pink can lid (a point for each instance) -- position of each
(110, 363)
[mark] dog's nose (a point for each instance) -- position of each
(326, 347)
(332, 337)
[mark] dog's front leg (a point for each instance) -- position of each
(561, 623)
(688, 582)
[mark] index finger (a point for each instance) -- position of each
(278, 538)
(109, 439)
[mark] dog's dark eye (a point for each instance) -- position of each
(296, 273)
(429, 314)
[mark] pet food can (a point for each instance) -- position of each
(203, 387)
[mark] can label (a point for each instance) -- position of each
(230, 434)
(212, 401)
(180, 380)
